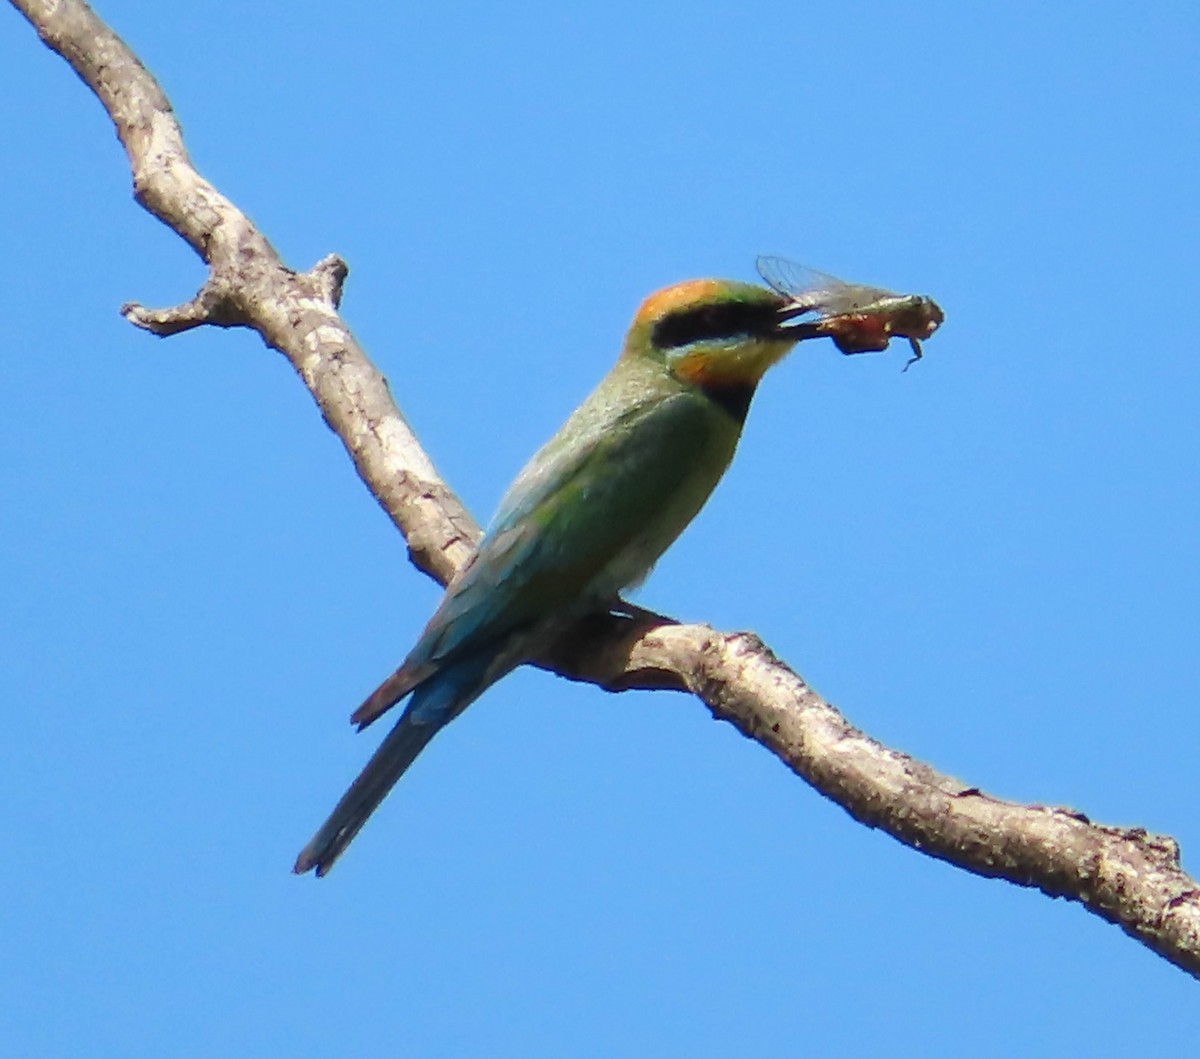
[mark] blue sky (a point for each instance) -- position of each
(989, 562)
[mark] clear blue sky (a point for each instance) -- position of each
(990, 562)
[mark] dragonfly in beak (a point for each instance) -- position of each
(859, 318)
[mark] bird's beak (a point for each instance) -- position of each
(785, 321)
(794, 308)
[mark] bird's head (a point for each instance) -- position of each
(713, 333)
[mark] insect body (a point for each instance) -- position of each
(859, 318)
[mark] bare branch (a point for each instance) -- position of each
(1126, 876)
(295, 313)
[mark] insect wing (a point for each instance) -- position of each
(814, 289)
(793, 280)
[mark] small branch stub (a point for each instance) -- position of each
(330, 276)
(213, 305)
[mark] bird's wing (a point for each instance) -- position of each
(567, 517)
(584, 519)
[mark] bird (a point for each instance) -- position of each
(587, 518)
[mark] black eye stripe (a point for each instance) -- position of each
(722, 320)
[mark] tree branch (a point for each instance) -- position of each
(1126, 876)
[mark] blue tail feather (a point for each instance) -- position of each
(434, 704)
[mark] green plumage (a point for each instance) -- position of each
(588, 517)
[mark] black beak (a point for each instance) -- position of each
(787, 327)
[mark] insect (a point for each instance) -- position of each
(859, 319)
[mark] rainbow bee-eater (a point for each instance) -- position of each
(588, 517)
